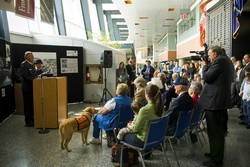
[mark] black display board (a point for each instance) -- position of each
(74, 79)
(7, 100)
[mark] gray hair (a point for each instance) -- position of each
(140, 81)
(216, 49)
(196, 87)
(26, 54)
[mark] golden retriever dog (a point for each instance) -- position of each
(79, 124)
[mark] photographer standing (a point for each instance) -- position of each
(215, 100)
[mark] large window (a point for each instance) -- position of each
(74, 19)
(23, 25)
(185, 25)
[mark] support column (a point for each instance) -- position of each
(4, 27)
(86, 16)
(60, 17)
(100, 15)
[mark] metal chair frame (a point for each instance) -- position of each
(155, 137)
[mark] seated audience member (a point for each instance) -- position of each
(152, 110)
(140, 84)
(197, 77)
(194, 91)
(106, 117)
(182, 103)
(135, 107)
(163, 79)
(156, 80)
(174, 77)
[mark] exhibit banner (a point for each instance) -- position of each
(25, 8)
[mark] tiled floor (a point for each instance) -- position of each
(25, 147)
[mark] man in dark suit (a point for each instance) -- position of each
(148, 71)
(28, 73)
(182, 103)
(215, 99)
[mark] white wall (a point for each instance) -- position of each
(91, 55)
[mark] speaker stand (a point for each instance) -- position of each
(105, 90)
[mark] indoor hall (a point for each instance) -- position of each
(25, 147)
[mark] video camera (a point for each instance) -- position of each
(201, 55)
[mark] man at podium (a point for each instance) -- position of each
(28, 73)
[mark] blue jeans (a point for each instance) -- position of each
(96, 129)
(132, 139)
(246, 111)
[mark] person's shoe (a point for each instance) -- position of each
(241, 117)
(104, 136)
(95, 141)
(29, 124)
(242, 123)
(248, 127)
(211, 163)
(208, 155)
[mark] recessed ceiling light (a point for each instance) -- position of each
(137, 24)
(128, 2)
(170, 9)
(169, 19)
(144, 17)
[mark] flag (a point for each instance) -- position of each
(25, 8)
(237, 10)
(203, 21)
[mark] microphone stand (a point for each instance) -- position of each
(43, 130)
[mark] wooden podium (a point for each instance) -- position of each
(50, 98)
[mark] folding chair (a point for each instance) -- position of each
(181, 129)
(155, 137)
(196, 119)
(125, 115)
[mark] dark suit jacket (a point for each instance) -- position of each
(182, 103)
(152, 70)
(130, 69)
(216, 93)
(28, 73)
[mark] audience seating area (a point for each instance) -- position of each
(22, 146)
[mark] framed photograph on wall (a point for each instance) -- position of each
(93, 73)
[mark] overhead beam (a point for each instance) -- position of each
(112, 12)
(102, 1)
(122, 26)
(118, 20)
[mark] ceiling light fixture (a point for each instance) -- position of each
(128, 2)
(170, 9)
(144, 17)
